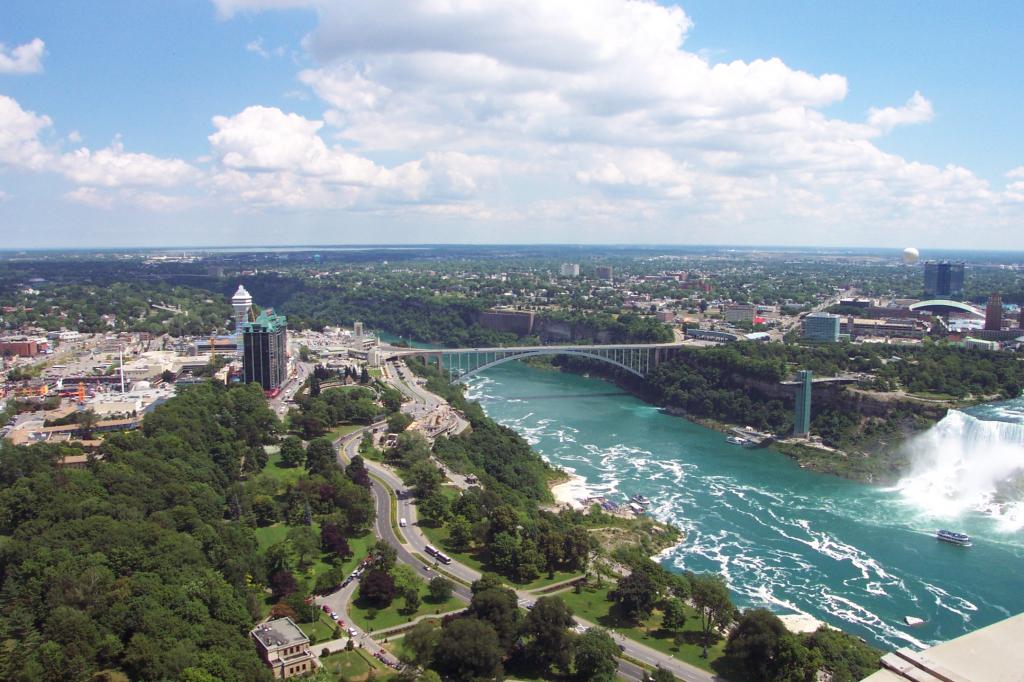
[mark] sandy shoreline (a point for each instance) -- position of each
(801, 623)
(572, 492)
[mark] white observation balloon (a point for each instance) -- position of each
(910, 255)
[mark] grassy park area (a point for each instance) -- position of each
(390, 617)
(592, 604)
(475, 558)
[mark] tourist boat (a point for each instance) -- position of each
(913, 621)
(736, 440)
(640, 500)
(954, 538)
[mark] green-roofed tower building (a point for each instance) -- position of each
(265, 351)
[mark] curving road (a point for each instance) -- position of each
(411, 539)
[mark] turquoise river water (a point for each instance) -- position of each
(856, 556)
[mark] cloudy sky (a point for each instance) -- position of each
(599, 121)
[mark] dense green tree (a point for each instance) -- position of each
(754, 641)
(595, 655)
(793, 662)
(398, 422)
(426, 478)
(499, 607)
(504, 553)
(357, 472)
(847, 658)
(145, 565)
(434, 509)
(292, 452)
(419, 643)
(333, 541)
(468, 649)
(460, 534)
(548, 624)
(714, 606)
(674, 614)
(383, 556)
(659, 674)
(411, 597)
(377, 588)
(320, 457)
(636, 595)
(305, 544)
(440, 589)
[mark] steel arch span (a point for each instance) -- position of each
(500, 361)
(459, 363)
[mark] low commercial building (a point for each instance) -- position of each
(284, 648)
(821, 327)
(665, 315)
(711, 335)
(980, 344)
(26, 348)
(907, 329)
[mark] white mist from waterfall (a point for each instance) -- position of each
(960, 464)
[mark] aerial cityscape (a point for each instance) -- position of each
(516, 340)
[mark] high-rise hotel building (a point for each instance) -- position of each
(265, 351)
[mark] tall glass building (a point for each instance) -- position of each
(943, 279)
(265, 351)
(821, 327)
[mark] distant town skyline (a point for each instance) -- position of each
(603, 122)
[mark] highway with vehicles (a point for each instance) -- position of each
(410, 544)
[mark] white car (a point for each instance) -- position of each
(402, 523)
(352, 632)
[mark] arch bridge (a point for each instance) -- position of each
(639, 359)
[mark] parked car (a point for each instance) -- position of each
(402, 523)
(326, 608)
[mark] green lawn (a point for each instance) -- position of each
(360, 546)
(281, 474)
(321, 630)
(343, 430)
(592, 604)
(348, 665)
(390, 617)
(271, 535)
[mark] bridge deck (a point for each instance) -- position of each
(526, 349)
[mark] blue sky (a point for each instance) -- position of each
(307, 121)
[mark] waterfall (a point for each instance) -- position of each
(970, 463)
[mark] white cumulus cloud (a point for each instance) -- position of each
(916, 110)
(25, 144)
(27, 58)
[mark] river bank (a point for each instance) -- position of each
(857, 557)
(878, 457)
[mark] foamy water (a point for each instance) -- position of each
(961, 463)
(858, 557)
